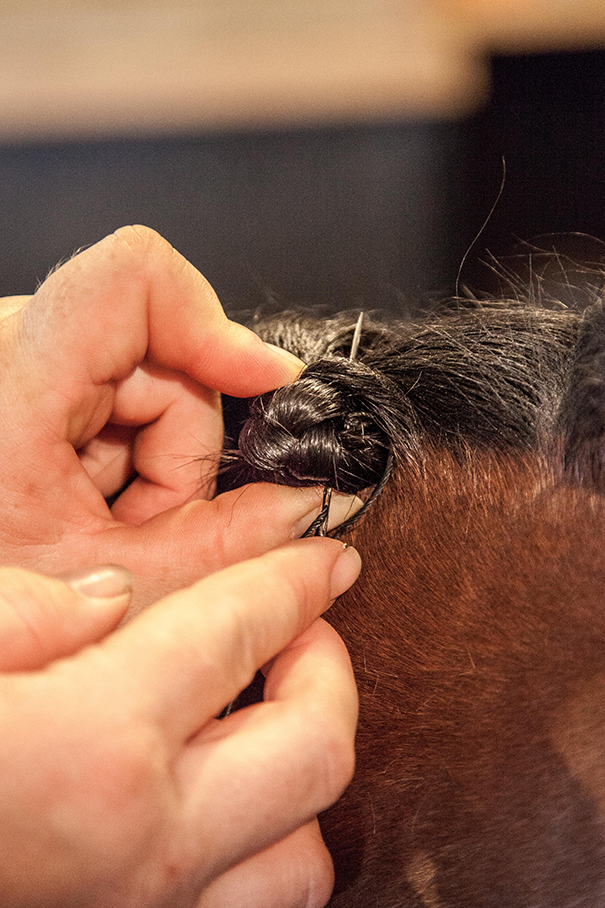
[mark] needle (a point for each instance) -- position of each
(356, 337)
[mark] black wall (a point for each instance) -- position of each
(339, 217)
(546, 117)
(372, 216)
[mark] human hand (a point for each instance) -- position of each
(112, 369)
(119, 788)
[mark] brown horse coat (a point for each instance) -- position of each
(477, 628)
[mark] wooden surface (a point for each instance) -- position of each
(84, 68)
(518, 26)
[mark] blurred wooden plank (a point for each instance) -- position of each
(106, 67)
(82, 68)
(534, 26)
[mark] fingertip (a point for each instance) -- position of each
(322, 875)
(296, 872)
(288, 361)
(45, 618)
(345, 571)
(342, 507)
(262, 367)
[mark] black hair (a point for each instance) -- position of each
(507, 374)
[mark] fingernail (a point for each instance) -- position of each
(345, 571)
(295, 364)
(341, 508)
(107, 581)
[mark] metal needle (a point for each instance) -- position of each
(319, 527)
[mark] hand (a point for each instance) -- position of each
(113, 369)
(120, 789)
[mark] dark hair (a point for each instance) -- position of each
(502, 375)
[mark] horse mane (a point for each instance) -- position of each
(477, 627)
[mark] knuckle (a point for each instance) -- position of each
(141, 238)
(120, 784)
(334, 754)
(320, 875)
(113, 788)
(151, 250)
(146, 247)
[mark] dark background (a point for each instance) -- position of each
(374, 216)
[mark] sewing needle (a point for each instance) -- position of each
(319, 527)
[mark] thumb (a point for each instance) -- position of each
(45, 618)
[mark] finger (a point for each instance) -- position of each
(177, 547)
(129, 300)
(131, 297)
(183, 426)
(188, 656)
(259, 774)
(108, 458)
(294, 873)
(43, 618)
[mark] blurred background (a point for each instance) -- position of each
(334, 152)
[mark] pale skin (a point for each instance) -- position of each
(114, 366)
(119, 785)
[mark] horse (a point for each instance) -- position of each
(476, 434)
